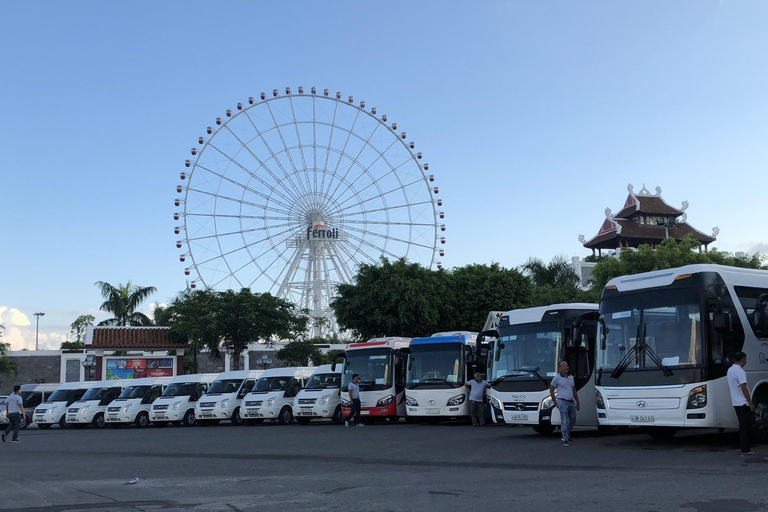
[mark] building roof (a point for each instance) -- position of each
(628, 229)
(652, 205)
(128, 338)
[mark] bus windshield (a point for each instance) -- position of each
(225, 386)
(528, 347)
(324, 381)
(134, 392)
(373, 365)
(436, 365)
(658, 331)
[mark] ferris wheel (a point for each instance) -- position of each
(289, 193)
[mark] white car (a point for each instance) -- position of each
(91, 409)
(321, 397)
(54, 410)
(177, 403)
(272, 397)
(133, 404)
(223, 399)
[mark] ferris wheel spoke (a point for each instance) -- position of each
(343, 150)
(330, 144)
(241, 202)
(383, 194)
(301, 148)
(229, 233)
(237, 184)
(290, 274)
(245, 247)
(384, 223)
(373, 246)
(238, 216)
(271, 152)
(262, 165)
(387, 237)
(285, 146)
(376, 210)
(351, 255)
(340, 264)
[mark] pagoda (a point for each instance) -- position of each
(645, 219)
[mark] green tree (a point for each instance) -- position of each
(78, 329)
(7, 367)
(231, 320)
(300, 353)
(555, 282)
(392, 298)
(123, 301)
(477, 289)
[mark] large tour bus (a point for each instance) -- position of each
(380, 363)
(438, 370)
(530, 343)
(666, 340)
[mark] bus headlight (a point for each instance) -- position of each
(599, 400)
(496, 403)
(385, 401)
(697, 398)
(457, 400)
(411, 402)
(547, 403)
(345, 403)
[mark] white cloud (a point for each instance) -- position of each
(153, 306)
(20, 331)
(12, 316)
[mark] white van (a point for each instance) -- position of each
(222, 400)
(32, 395)
(177, 403)
(272, 397)
(321, 397)
(54, 410)
(91, 408)
(132, 406)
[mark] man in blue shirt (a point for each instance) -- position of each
(14, 408)
(567, 400)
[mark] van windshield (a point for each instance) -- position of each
(180, 389)
(225, 386)
(324, 381)
(272, 384)
(134, 392)
(95, 394)
(62, 395)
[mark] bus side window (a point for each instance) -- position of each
(754, 301)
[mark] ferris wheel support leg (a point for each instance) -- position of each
(292, 270)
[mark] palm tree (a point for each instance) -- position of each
(556, 273)
(123, 301)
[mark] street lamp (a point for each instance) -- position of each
(265, 361)
(37, 326)
(88, 364)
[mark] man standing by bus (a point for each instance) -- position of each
(14, 408)
(476, 389)
(354, 400)
(567, 400)
(742, 402)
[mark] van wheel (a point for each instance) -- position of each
(43, 427)
(98, 421)
(662, 433)
(189, 419)
(142, 420)
(160, 424)
(63, 422)
(544, 429)
(24, 422)
(303, 421)
(338, 416)
(236, 419)
(285, 416)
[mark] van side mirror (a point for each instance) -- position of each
(721, 322)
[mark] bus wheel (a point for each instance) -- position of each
(43, 427)
(338, 416)
(393, 419)
(662, 433)
(285, 416)
(189, 419)
(544, 429)
(142, 420)
(303, 421)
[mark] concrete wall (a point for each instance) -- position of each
(41, 368)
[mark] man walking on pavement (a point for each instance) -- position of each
(476, 394)
(567, 401)
(14, 408)
(354, 399)
(742, 402)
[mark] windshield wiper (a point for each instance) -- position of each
(632, 352)
(639, 347)
(519, 373)
(657, 360)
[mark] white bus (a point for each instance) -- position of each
(666, 339)
(438, 370)
(380, 363)
(529, 347)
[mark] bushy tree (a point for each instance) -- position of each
(300, 353)
(7, 367)
(78, 329)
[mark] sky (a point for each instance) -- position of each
(533, 116)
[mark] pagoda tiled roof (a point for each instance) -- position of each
(125, 338)
(613, 229)
(653, 205)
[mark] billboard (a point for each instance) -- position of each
(139, 367)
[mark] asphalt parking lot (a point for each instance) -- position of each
(384, 467)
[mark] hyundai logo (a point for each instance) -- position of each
(641, 403)
(431, 402)
(520, 407)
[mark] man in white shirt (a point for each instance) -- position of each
(14, 408)
(567, 400)
(476, 390)
(742, 402)
(354, 400)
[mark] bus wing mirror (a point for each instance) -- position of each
(497, 352)
(720, 322)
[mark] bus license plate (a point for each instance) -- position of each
(642, 419)
(518, 416)
(365, 412)
(433, 411)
